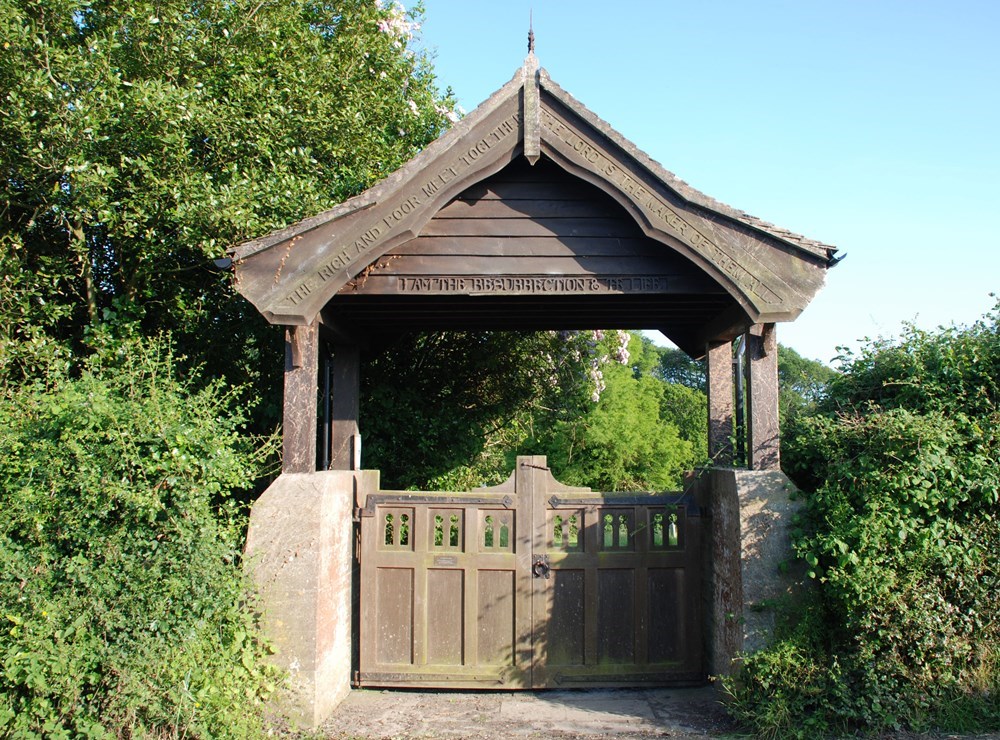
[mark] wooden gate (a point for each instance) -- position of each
(530, 584)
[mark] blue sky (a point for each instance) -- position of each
(871, 125)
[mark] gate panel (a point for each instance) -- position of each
(531, 584)
(440, 604)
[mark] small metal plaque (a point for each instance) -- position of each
(447, 561)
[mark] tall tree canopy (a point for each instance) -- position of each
(142, 138)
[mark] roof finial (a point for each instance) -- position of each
(531, 34)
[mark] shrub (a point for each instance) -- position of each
(123, 605)
(902, 471)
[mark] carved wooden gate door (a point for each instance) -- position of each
(530, 584)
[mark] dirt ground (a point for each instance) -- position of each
(479, 715)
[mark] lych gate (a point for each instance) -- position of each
(531, 213)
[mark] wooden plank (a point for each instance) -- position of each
(553, 267)
(446, 598)
(721, 404)
(541, 190)
(592, 540)
(299, 422)
(563, 634)
(692, 607)
(532, 208)
(640, 544)
(763, 438)
(666, 620)
(554, 246)
(345, 438)
(615, 616)
(394, 609)
(508, 227)
(497, 624)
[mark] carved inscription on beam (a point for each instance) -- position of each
(398, 217)
(531, 285)
(659, 212)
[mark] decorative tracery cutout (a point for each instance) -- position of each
(446, 529)
(438, 530)
(617, 530)
(565, 530)
(496, 527)
(665, 528)
(488, 532)
(404, 530)
(397, 526)
(657, 529)
(390, 531)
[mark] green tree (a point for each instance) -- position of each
(622, 443)
(802, 383)
(142, 138)
(139, 139)
(452, 411)
(675, 366)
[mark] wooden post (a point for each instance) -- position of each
(298, 434)
(763, 438)
(345, 437)
(719, 383)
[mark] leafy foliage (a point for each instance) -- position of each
(142, 138)
(121, 593)
(675, 366)
(139, 140)
(473, 401)
(802, 383)
(900, 533)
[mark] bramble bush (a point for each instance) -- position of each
(899, 531)
(124, 610)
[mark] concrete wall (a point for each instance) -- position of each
(299, 551)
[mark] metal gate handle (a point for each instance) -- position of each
(540, 568)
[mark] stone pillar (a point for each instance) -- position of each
(763, 440)
(345, 437)
(751, 513)
(721, 568)
(719, 384)
(300, 554)
(298, 434)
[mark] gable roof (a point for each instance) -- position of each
(770, 273)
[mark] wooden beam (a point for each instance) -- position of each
(719, 370)
(299, 413)
(763, 436)
(345, 436)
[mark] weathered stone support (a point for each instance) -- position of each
(300, 555)
(763, 441)
(301, 391)
(345, 436)
(749, 539)
(719, 370)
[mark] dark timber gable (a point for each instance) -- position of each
(533, 213)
